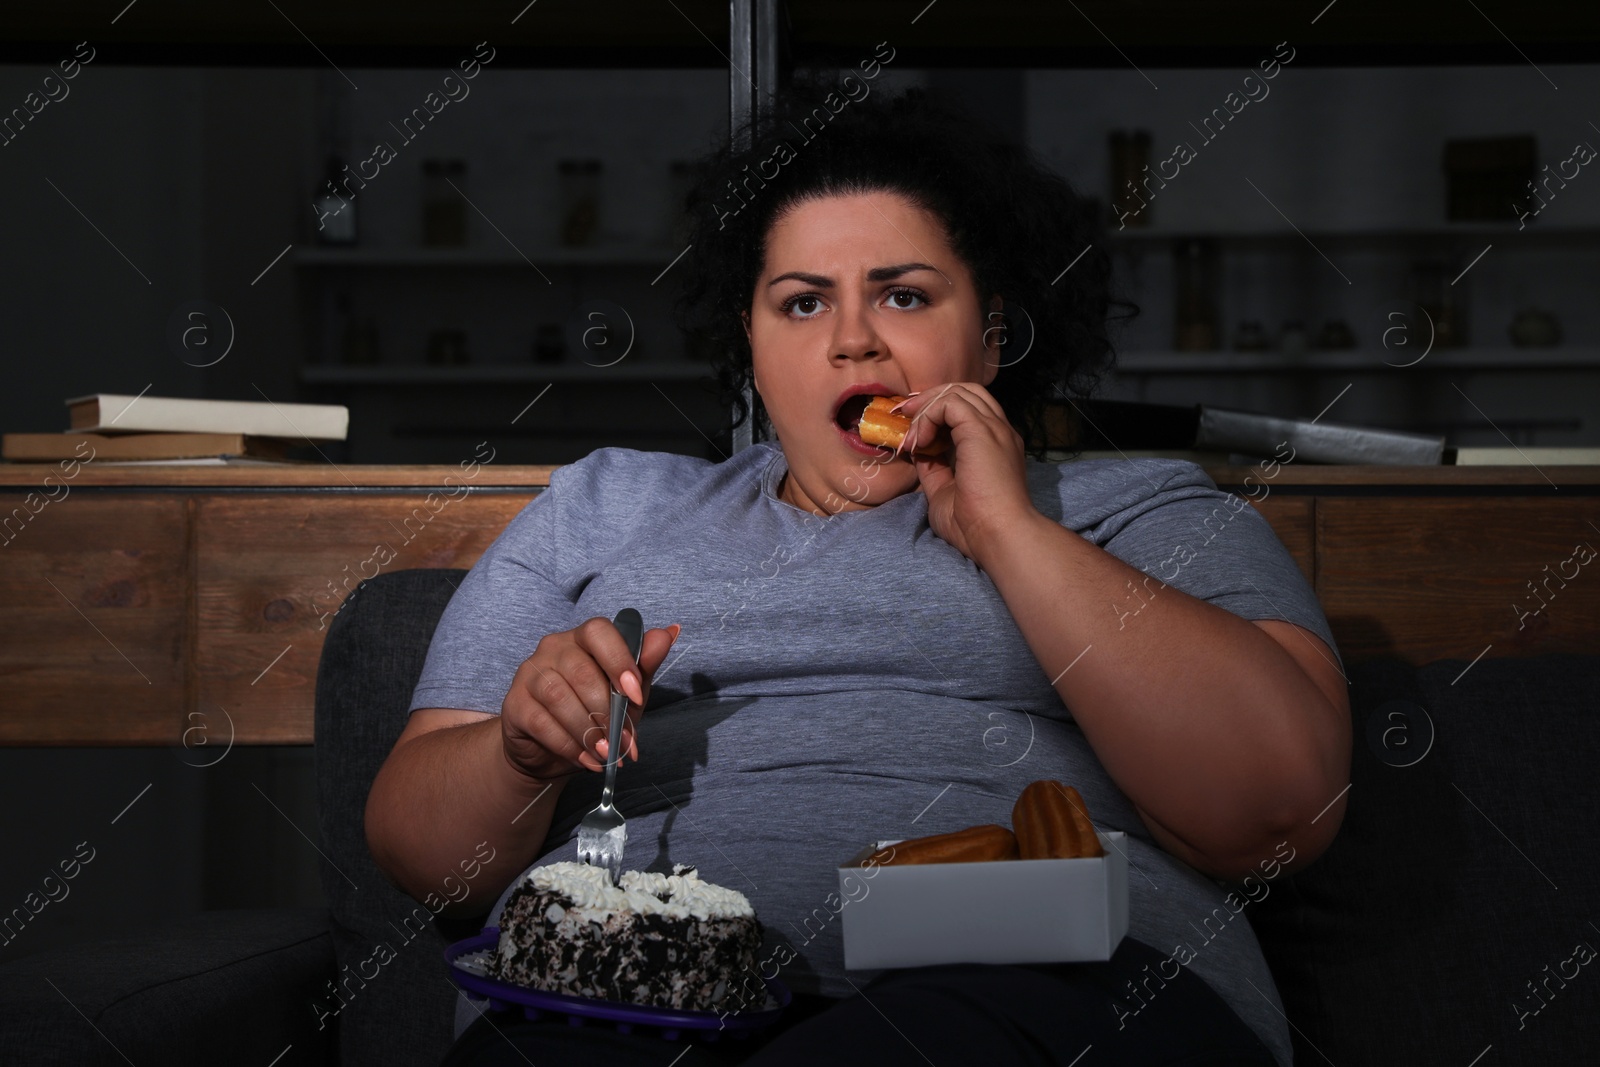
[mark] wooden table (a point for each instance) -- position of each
(136, 601)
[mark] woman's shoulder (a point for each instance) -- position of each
(632, 479)
(1084, 492)
(612, 468)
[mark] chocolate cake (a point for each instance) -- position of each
(664, 940)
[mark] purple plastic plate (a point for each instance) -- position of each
(537, 1003)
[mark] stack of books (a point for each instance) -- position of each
(162, 429)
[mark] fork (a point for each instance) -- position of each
(603, 833)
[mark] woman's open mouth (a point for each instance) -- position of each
(849, 414)
(847, 420)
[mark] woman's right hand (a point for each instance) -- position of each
(554, 718)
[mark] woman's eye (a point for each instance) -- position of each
(806, 299)
(808, 303)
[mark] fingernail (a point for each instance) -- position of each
(907, 399)
(676, 630)
(630, 687)
(603, 747)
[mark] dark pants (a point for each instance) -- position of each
(960, 1015)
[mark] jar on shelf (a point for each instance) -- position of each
(444, 204)
(1250, 337)
(1535, 328)
(1293, 339)
(580, 201)
(1336, 334)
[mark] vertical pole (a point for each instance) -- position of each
(757, 72)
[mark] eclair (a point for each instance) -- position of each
(975, 844)
(887, 429)
(1051, 823)
(1048, 822)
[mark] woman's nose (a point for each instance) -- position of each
(854, 336)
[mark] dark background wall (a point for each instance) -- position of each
(150, 187)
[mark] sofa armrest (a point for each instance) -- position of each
(217, 987)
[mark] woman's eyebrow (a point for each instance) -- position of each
(876, 274)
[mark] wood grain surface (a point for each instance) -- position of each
(151, 599)
(1427, 579)
(272, 571)
(93, 598)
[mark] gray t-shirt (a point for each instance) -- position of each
(850, 679)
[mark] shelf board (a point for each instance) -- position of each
(1574, 357)
(493, 256)
(1490, 231)
(503, 374)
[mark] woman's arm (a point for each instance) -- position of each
(446, 788)
(457, 781)
(1228, 736)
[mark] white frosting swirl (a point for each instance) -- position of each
(594, 897)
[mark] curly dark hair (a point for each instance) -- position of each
(1014, 222)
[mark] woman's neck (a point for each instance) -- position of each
(789, 492)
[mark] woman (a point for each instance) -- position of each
(850, 644)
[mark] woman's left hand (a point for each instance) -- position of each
(977, 488)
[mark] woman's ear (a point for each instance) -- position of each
(755, 380)
(994, 336)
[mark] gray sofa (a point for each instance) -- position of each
(1445, 921)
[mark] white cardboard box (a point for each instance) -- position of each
(1006, 911)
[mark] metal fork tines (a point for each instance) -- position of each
(603, 833)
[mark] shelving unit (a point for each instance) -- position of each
(497, 295)
(1358, 361)
(323, 270)
(508, 374)
(497, 258)
(1491, 231)
(1271, 271)
(1481, 393)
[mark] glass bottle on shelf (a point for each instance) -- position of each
(360, 346)
(334, 207)
(549, 343)
(680, 179)
(444, 205)
(580, 201)
(1444, 301)
(1130, 154)
(358, 338)
(1194, 271)
(447, 348)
